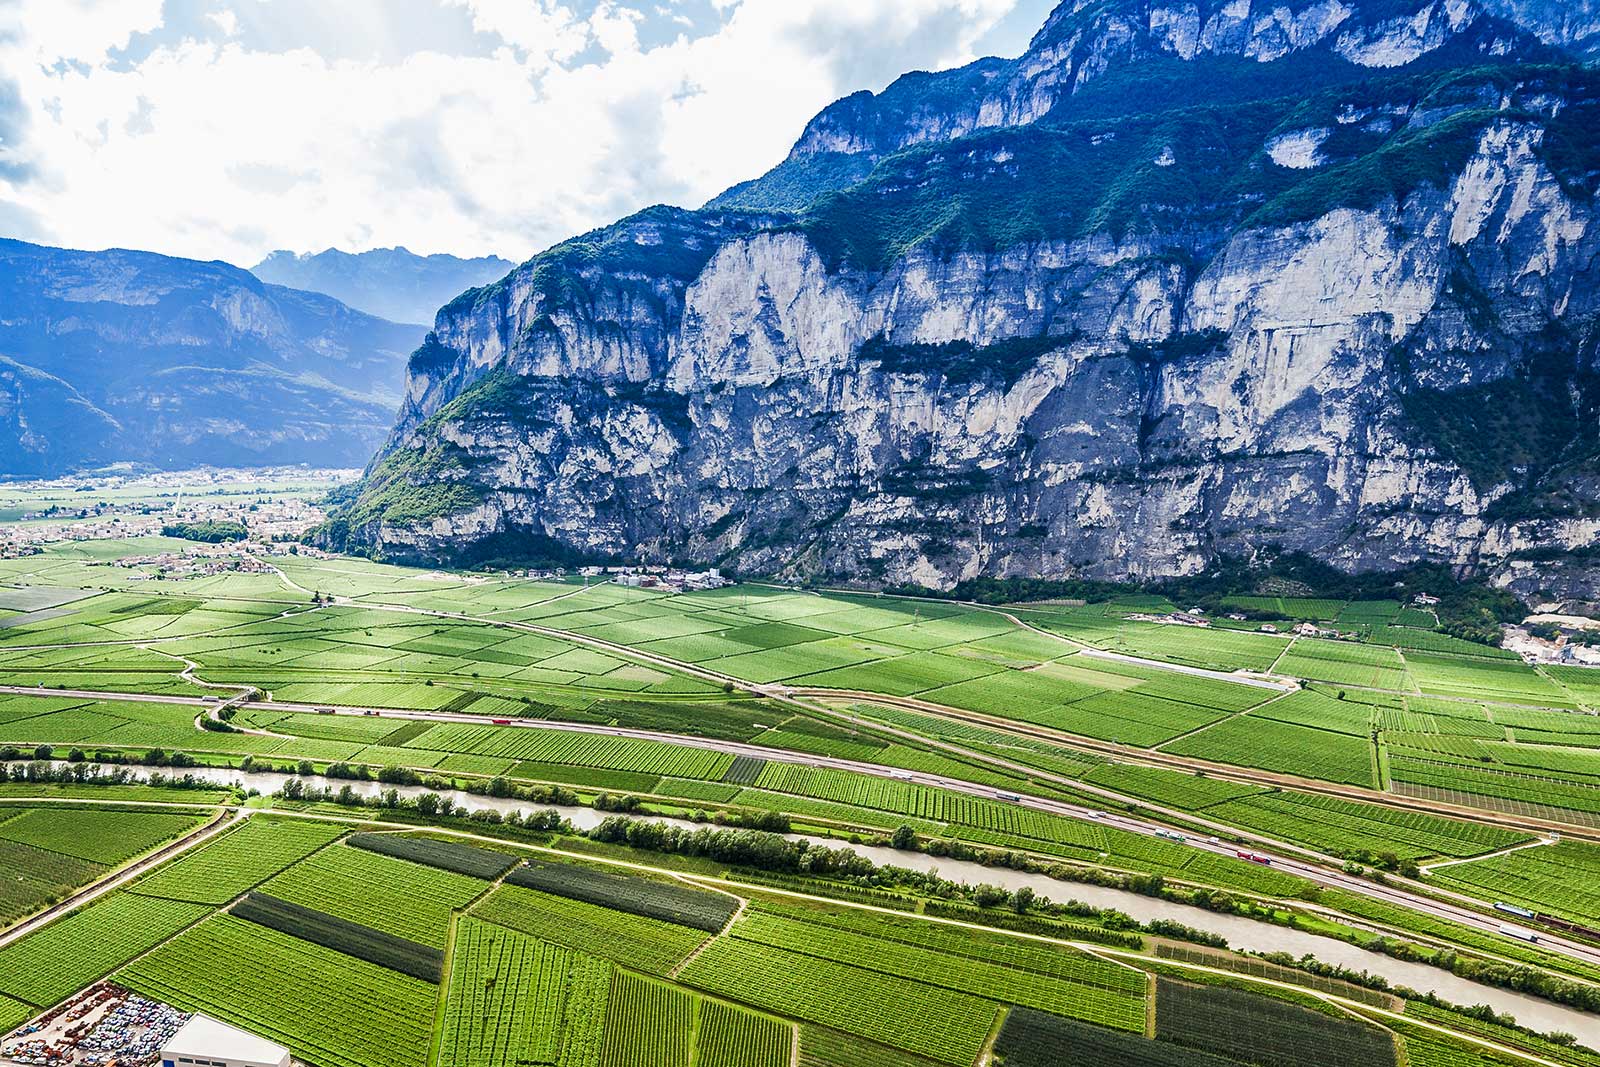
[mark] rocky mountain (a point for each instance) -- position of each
(391, 283)
(1184, 280)
(131, 356)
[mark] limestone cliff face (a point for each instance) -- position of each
(1293, 358)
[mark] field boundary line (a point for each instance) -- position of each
(1542, 842)
(118, 878)
(998, 1024)
(1295, 640)
(1087, 948)
(442, 1002)
(738, 914)
(1161, 746)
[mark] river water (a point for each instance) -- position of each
(1243, 934)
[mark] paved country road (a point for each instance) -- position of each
(120, 878)
(1322, 869)
(1306, 863)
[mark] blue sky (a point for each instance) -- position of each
(227, 128)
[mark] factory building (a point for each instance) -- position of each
(205, 1042)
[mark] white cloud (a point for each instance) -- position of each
(226, 20)
(216, 150)
(85, 31)
(536, 27)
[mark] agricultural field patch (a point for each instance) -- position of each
(648, 1024)
(586, 750)
(731, 1037)
(1038, 1039)
(469, 860)
(1502, 681)
(1270, 1033)
(1253, 741)
(34, 878)
(1499, 788)
(904, 675)
(513, 999)
(329, 1008)
(394, 896)
(50, 964)
(1561, 879)
(1343, 671)
(104, 836)
(1309, 708)
(1194, 646)
(941, 1024)
(423, 962)
(238, 860)
(1173, 788)
(701, 909)
(647, 945)
(1346, 827)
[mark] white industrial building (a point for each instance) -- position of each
(205, 1042)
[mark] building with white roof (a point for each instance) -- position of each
(205, 1042)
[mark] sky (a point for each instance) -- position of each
(224, 129)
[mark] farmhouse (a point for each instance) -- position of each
(205, 1042)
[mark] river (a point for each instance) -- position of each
(1243, 934)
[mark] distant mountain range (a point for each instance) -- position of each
(391, 283)
(131, 356)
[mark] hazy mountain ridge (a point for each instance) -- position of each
(391, 283)
(1356, 318)
(175, 362)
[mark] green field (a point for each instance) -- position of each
(47, 852)
(63, 957)
(238, 861)
(1306, 752)
(405, 899)
(582, 966)
(649, 945)
(331, 1008)
(513, 999)
(1562, 879)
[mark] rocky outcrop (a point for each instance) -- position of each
(1380, 354)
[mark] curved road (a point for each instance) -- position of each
(1323, 870)
(1299, 861)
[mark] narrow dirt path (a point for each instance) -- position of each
(123, 876)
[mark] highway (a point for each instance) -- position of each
(1322, 870)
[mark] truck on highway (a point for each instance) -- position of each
(1254, 858)
(1521, 935)
(1010, 796)
(1171, 835)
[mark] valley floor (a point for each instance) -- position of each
(1405, 791)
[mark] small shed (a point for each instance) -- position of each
(206, 1042)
